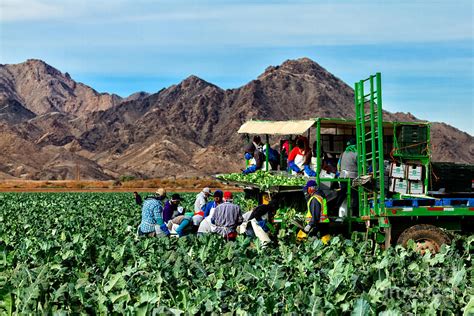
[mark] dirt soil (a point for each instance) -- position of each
(172, 185)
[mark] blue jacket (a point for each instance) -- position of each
(207, 208)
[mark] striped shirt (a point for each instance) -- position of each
(227, 217)
(152, 212)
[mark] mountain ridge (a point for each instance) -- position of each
(186, 129)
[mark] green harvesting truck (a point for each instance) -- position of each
(400, 193)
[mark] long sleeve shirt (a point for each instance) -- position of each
(201, 200)
(208, 207)
(294, 152)
(152, 211)
(261, 210)
(226, 218)
(168, 211)
(315, 209)
(348, 165)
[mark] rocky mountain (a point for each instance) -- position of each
(55, 128)
(41, 89)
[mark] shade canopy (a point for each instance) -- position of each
(276, 127)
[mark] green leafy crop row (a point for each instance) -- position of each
(265, 179)
(77, 253)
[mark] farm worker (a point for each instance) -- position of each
(257, 218)
(256, 160)
(206, 226)
(201, 200)
(326, 165)
(257, 142)
(347, 164)
(347, 168)
(262, 211)
(171, 206)
(227, 217)
(316, 207)
(138, 198)
(152, 211)
(272, 153)
(300, 158)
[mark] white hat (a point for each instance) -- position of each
(206, 190)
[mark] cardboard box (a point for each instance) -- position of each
(397, 170)
(414, 172)
(416, 187)
(398, 185)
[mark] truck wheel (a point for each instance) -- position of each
(426, 237)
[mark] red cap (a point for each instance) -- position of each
(227, 195)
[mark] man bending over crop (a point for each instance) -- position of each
(199, 203)
(152, 216)
(227, 217)
(206, 226)
(317, 208)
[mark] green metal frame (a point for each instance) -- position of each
(370, 118)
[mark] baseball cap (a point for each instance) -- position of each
(310, 183)
(227, 195)
(161, 192)
(206, 190)
(218, 193)
(176, 197)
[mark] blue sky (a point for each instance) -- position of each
(424, 49)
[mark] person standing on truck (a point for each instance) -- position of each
(256, 160)
(347, 168)
(152, 216)
(273, 154)
(316, 208)
(257, 142)
(300, 158)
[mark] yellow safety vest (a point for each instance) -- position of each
(324, 213)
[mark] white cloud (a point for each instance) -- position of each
(298, 23)
(27, 10)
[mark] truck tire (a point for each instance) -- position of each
(426, 237)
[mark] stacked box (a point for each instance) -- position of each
(399, 185)
(452, 177)
(397, 170)
(416, 187)
(412, 139)
(414, 172)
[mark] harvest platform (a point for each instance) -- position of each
(394, 158)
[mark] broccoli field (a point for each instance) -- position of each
(77, 253)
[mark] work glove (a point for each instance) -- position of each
(180, 210)
(293, 166)
(338, 174)
(165, 229)
(248, 156)
(250, 169)
(307, 229)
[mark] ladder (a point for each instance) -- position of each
(369, 140)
